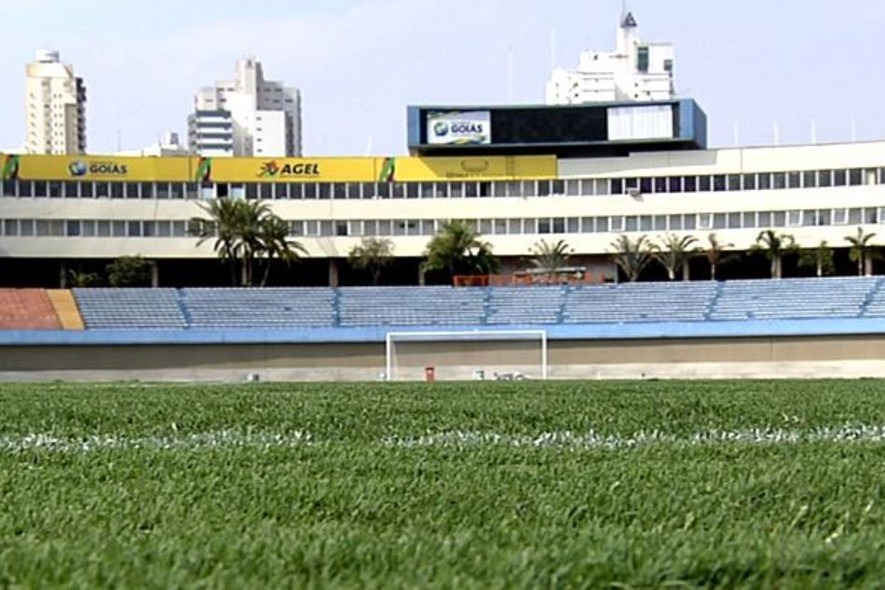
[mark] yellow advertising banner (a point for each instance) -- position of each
(476, 168)
(107, 168)
(247, 170)
(287, 169)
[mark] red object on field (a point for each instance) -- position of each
(430, 374)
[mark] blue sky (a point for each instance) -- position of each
(358, 63)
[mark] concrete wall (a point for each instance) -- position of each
(762, 357)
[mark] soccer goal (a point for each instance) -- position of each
(465, 355)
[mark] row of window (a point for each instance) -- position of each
(449, 189)
(488, 227)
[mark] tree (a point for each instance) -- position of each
(457, 248)
(275, 244)
(674, 253)
(820, 258)
(244, 233)
(632, 257)
(372, 254)
(775, 247)
(862, 252)
(130, 271)
(551, 257)
(717, 254)
(80, 278)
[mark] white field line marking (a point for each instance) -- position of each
(595, 440)
(203, 440)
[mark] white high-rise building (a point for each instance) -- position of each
(55, 104)
(248, 116)
(635, 71)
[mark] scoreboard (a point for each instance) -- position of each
(561, 129)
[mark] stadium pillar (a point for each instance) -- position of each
(333, 272)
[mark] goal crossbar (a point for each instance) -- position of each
(463, 335)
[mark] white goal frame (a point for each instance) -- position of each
(464, 335)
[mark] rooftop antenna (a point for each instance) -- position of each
(552, 49)
(510, 74)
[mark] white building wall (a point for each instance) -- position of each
(635, 71)
(866, 199)
(55, 105)
(259, 109)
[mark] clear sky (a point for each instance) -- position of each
(359, 63)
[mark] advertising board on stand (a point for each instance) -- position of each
(459, 128)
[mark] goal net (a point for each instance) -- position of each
(479, 354)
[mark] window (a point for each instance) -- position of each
(675, 184)
(134, 229)
(7, 188)
(118, 229)
(719, 182)
(645, 223)
(573, 225)
(705, 220)
(824, 217)
(499, 227)
(341, 228)
(749, 182)
(515, 226)
(324, 191)
(840, 178)
(26, 227)
(485, 226)
(428, 226)
(471, 192)
(840, 216)
(764, 181)
(72, 228)
(558, 225)
(103, 229)
(10, 227)
(824, 178)
(645, 185)
(675, 222)
(794, 218)
(310, 190)
(661, 184)
(809, 179)
(779, 219)
(632, 223)
(779, 180)
(530, 226)
(616, 186)
(616, 223)
(734, 221)
(148, 229)
(642, 60)
(794, 180)
(704, 184)
(572, 187)
(734, 182)
(855, 177)
(855, 216)
(162, 190)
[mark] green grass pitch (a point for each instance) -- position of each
(473, 485)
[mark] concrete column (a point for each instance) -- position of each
(62, 274)
(333, 272)
(155, 275)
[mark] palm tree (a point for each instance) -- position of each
(716, 254)
(457, 248)
(819, 258)
(862, 252)
(243, 232)
(632, 256)
(275, 244)
(551, 257)
(372, 254)
(775, 247)
(674, 253)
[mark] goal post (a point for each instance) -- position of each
(468, 354)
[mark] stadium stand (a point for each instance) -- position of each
(27, 309)
(411, 306)
(259, 308)
(66, 310)
(526, 305)
(282, 308)
(840, 297)
(640, 302)
(130, 308)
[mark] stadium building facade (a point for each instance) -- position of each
(584, 174)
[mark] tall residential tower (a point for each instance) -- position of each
(55, 101)
(248, 116)
(635, 71)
